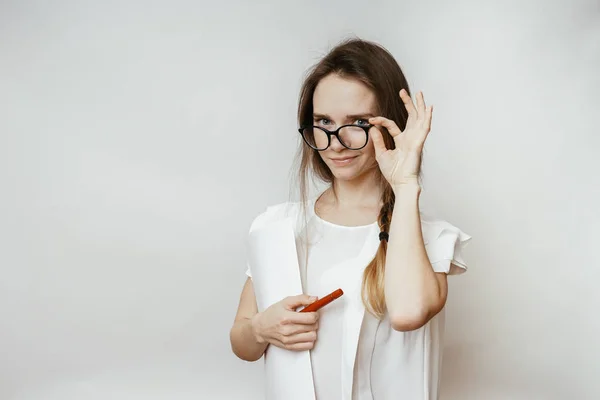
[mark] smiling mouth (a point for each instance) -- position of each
(342, 161)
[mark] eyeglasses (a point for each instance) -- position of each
(353, 137)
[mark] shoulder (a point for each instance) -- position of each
(276, 212)
(433, 228)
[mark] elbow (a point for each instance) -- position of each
(413, 312)
(409, 320)
(241, 351)
(413, 318)
(247, 357)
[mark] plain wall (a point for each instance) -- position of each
(140, 139)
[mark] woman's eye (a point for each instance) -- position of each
(362, 121)
(324, 121)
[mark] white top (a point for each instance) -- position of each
(388, 364)
(330, 245)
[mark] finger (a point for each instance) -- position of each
(428, 116)
(305, 318)
(299, 338)
(408, 103)
(293, 302)
(388, 124)
(420, 105)
(378, 142)
(294, 329)
(295, 346)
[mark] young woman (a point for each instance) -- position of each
(363, 135)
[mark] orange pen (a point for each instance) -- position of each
(323, 301)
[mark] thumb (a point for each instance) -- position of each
(294, 302)
(378, 142)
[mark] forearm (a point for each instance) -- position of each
(244, 342)
(412, 290)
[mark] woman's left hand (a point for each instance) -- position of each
(401, 166)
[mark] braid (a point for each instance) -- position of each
(373, 294)
(385, 215)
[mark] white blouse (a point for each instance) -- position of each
(388, 364)
(331, 244)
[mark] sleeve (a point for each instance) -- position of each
(445, 244)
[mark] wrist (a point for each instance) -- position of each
(411, 186)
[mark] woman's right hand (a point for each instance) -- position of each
(284, 327)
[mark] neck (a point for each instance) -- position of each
(364, 190)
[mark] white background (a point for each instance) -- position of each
(139, 139)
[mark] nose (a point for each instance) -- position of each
(335, 144)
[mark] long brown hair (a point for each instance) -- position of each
(372, 65)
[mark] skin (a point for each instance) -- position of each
(358, 196)
(414, 293)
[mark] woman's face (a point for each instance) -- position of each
(338, 101)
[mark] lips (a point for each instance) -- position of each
(342, 161)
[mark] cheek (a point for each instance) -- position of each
(367, 160)
(369, 151)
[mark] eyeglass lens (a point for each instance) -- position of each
(353, 137)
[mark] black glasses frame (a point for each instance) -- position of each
(336, 134)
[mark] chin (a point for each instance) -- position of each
(345, 174)
(351, 173)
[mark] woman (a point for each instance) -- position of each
(363, 135)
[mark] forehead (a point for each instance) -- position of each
(339, 96)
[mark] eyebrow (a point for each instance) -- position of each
(365, 115)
